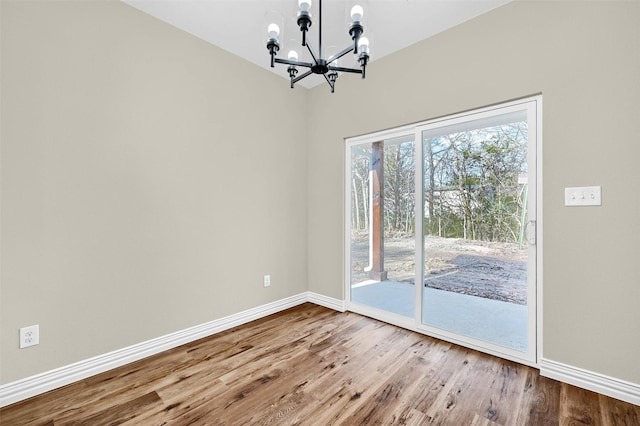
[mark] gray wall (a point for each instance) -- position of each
(584, 57)
(148, 182)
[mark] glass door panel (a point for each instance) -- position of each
(382, 225)
(477, 208)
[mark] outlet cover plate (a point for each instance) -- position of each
(29, 336)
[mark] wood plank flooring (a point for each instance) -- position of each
(313, 366)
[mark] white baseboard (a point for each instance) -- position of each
(44, 382)
(615, 388)
(327, 302)
(49, 380)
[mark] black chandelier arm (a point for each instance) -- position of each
(315, 59)
(294, 63)
(301, 76)
(340, 55)
(343, 69)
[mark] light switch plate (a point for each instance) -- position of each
(583, 196)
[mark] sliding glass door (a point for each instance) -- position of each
(441, 232)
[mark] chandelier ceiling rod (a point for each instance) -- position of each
(319, 29)
(320, 65)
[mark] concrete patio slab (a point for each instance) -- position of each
(493, 321)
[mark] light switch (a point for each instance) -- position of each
(583, 196)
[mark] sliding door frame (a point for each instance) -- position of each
(533, 105)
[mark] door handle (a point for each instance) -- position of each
(531, 232)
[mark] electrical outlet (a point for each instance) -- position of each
(267, 280)
(29, 336)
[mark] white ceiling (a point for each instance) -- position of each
(240, 26)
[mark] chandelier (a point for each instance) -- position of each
(327, 67)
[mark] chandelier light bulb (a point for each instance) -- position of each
(363, 45)
(356, 13)
(304, 5)
(274, 31)
(293, 55)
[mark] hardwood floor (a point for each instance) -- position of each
(313, 366)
